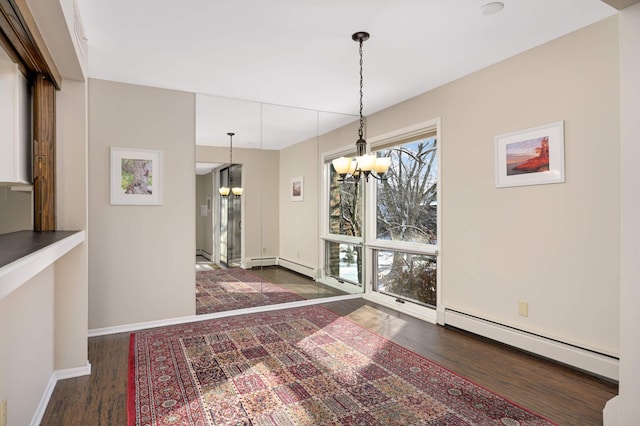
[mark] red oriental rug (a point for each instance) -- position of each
(302, 366)
(236, 288)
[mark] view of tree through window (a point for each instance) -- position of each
(407, 199)
(344, 261)
(407, 212)
(345, 206)
(410, 276)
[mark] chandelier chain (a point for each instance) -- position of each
(360, 131)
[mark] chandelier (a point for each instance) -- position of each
(224, 190)
(363, 164)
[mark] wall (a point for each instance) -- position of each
(555, 246)
(72, 270)
(16, 213)
(204, 224)
(141, 258)
(625, 410)
(43, 324)
(299, 220)
(27, 349)
(260, 210)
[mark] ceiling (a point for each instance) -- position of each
(299, 53)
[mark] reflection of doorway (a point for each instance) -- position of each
(231, 218)
(204, 214)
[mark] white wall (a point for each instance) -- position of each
(555, 246)
(626, 410)
(141, 258)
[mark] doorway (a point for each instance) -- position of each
(231, 218)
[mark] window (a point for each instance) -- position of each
(409, 276)
(407, 200)
(403, 222)
(387, 246)
(343, 236)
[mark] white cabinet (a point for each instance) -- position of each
(15, 124)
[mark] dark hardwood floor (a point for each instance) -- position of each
(559, 393)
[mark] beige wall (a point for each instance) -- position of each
(260, 210)
(43, 324)
(141, 258)
(27, 346)
(555, 246)
(16, 213)
(627, 410)
(299, 219)
(72, 270)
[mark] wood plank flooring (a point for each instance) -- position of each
(559, 393)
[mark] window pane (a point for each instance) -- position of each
(407, 207)
(408, 276)
(344, 262)
(345, 206)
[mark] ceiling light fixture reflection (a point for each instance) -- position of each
(224, 190)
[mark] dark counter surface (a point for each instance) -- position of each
(16, 245)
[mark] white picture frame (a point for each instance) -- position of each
(533, 156)
(297, 188)
(136, 176)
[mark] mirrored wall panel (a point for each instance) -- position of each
(262, 245)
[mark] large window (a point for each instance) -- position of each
(381, 236)
(343, 244)
(404, 246)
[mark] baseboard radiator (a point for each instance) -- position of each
(298, 267)
(257, 262)
(581, 358)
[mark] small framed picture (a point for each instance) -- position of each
(533, 156)
(297, 188)
(136, 176)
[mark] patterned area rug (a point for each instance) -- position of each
(303, 366)
(236, 288)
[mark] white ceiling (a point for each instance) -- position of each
(299, 53)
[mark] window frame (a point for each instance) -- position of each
(373, 244)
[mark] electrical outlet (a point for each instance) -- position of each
(3, 413)
(523, 308)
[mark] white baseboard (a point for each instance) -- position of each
(583, 359)
(260, 261)
(46, 396)
(305, 270)
(205, 254)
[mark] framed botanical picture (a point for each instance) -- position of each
(297, 188)
(533, 156)
(136, 176)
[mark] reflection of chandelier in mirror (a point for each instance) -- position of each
(237, 190)
(367, 164)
